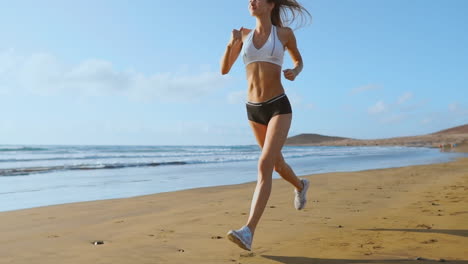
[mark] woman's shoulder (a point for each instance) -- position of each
(245, 32)
(285, 34)
(286, 31)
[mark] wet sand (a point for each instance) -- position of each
(377, 216)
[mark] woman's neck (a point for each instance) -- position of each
(263, 24)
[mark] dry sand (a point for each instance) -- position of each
(376, 216)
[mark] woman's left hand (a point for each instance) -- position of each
(289, 74)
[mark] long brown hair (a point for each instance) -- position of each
(279, 14)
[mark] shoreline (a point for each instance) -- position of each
(387, 214)
(93, 193)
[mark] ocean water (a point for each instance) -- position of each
(33, 176)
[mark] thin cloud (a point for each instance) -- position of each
(454, 107)
(446, 118)
(393, 119)
(405, 97)
(299, 102)
(365, 88)
(44, 73)
(310, 106)
(415, 106)
(377, 108)
(237, 97)
(295, 99)
(458, 112)
(426, 121)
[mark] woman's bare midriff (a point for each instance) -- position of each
(264, 81)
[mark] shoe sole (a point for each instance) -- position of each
(233, 237)
(306, 188)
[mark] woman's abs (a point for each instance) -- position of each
(264, 81)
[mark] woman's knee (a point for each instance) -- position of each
(280, 165)
(265, 164)
(279, 168)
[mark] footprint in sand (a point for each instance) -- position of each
(162, 233)
(336, 244)
(458, 213)
(430, 241)
(424, 226)
(247, 255)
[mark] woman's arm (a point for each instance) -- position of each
(233, 50)
(296, 57)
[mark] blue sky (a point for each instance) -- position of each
(147, 72)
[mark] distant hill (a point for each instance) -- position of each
(310, 139)
(454, 135)
(454, 130)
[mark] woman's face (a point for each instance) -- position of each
(260, 7)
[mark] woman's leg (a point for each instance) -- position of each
(281, 167)
(274, 137)
(285, 171)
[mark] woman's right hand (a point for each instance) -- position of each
(236, 37)
(233, 50)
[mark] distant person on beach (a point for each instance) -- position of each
(268, 108)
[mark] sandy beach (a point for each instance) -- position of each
(376, 216)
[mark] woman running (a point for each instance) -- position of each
(268, 108)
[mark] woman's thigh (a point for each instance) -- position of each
(259, 131)
(275, 137)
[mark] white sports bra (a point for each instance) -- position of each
(272, 51)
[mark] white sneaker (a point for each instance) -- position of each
(242, 237)
(300, 197)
